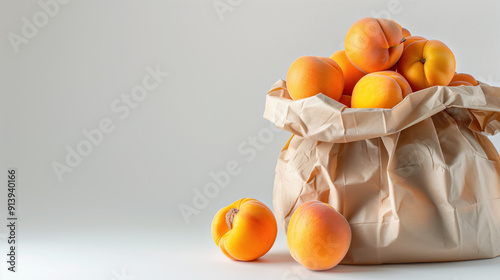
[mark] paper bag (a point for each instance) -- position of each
(417, 183)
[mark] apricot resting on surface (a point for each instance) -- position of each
(463, 79)
(374, 44)
(244, 230)
(310, 75)
(318, 236)
(351, 73)
(384, 89)
(427, 63)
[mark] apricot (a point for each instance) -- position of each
(318, 236)
(245, 230)
(406, 32)
(459, 83)
(310, 75)
(374, 44)
(384, 89)
(411, 39)
(463, 79)
(346, 100)
(427, 63)
(287, 144)
(351, 73)
(402, 82)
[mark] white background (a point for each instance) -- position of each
(116, 215)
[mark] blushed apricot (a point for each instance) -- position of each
(318, 236)
(406, 32)
(374, 44)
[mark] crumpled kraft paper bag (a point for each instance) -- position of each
(417, 183)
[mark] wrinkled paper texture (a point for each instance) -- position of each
(417, 183)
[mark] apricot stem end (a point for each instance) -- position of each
(230, 217)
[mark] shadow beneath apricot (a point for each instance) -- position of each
(394, 268)
(276, 257)
(349, 268)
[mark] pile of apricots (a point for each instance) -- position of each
(381, 64)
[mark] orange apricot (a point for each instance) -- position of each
(427, 63)
(374, 44)
(406, 32)
(318, 236)
(346, 100)
(411, 39)
(351, 73)
(245, 230)
(310, 75)
(402, 82)
(384, 89)
(287, 144)
(399, 25)
(466, 79)
(459, 83)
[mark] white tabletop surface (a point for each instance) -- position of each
(183, 255)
